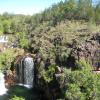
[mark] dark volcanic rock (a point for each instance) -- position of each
(89, 50)
(9, 78)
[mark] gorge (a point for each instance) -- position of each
(51, 55)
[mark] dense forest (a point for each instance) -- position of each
(67, 10)
(63, 41)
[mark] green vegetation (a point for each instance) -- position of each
(79, 84)
(21, 93)
(69, 9)
(50, 33)
(17, 98)
(6, 57)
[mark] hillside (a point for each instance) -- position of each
(57, 51)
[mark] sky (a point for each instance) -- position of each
(27, 7)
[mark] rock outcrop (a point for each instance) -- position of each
(10, 79)
(89, 50)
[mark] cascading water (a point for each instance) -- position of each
(28, 71)
(3, 90)
(3, 39)
(25, 72)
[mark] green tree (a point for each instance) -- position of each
(23, 40)
(6, 26)
(80, 84)
(85, 9)
(70, 8)
(97, 13)
(6, 58)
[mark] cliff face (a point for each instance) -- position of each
(89, 50)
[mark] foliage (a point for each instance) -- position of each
(6, 26)
(48, 75)
(17, 98)
(80, 85)
(21, 93)
(6, 58)
(83, 65)
(73, 93)
(23, 41)
(50, 33)
(68, 9)
(97, 11)
(98, 85)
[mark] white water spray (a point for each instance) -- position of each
(3, 90)
(25, 72)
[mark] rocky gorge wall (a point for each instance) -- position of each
(88, 50)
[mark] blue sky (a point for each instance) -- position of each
(26, 6)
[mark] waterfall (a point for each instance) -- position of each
(3, 90)
(28, 71)
(25, 71)
(3, 39)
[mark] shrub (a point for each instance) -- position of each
(48, 74)
(6, 57)
(17, 98)
(83, 65)
(80, 85)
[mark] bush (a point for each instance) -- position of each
(17, 98)
(80, 85)
(6, 57)
(48, 74)
(83, 65)
(73, 93)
